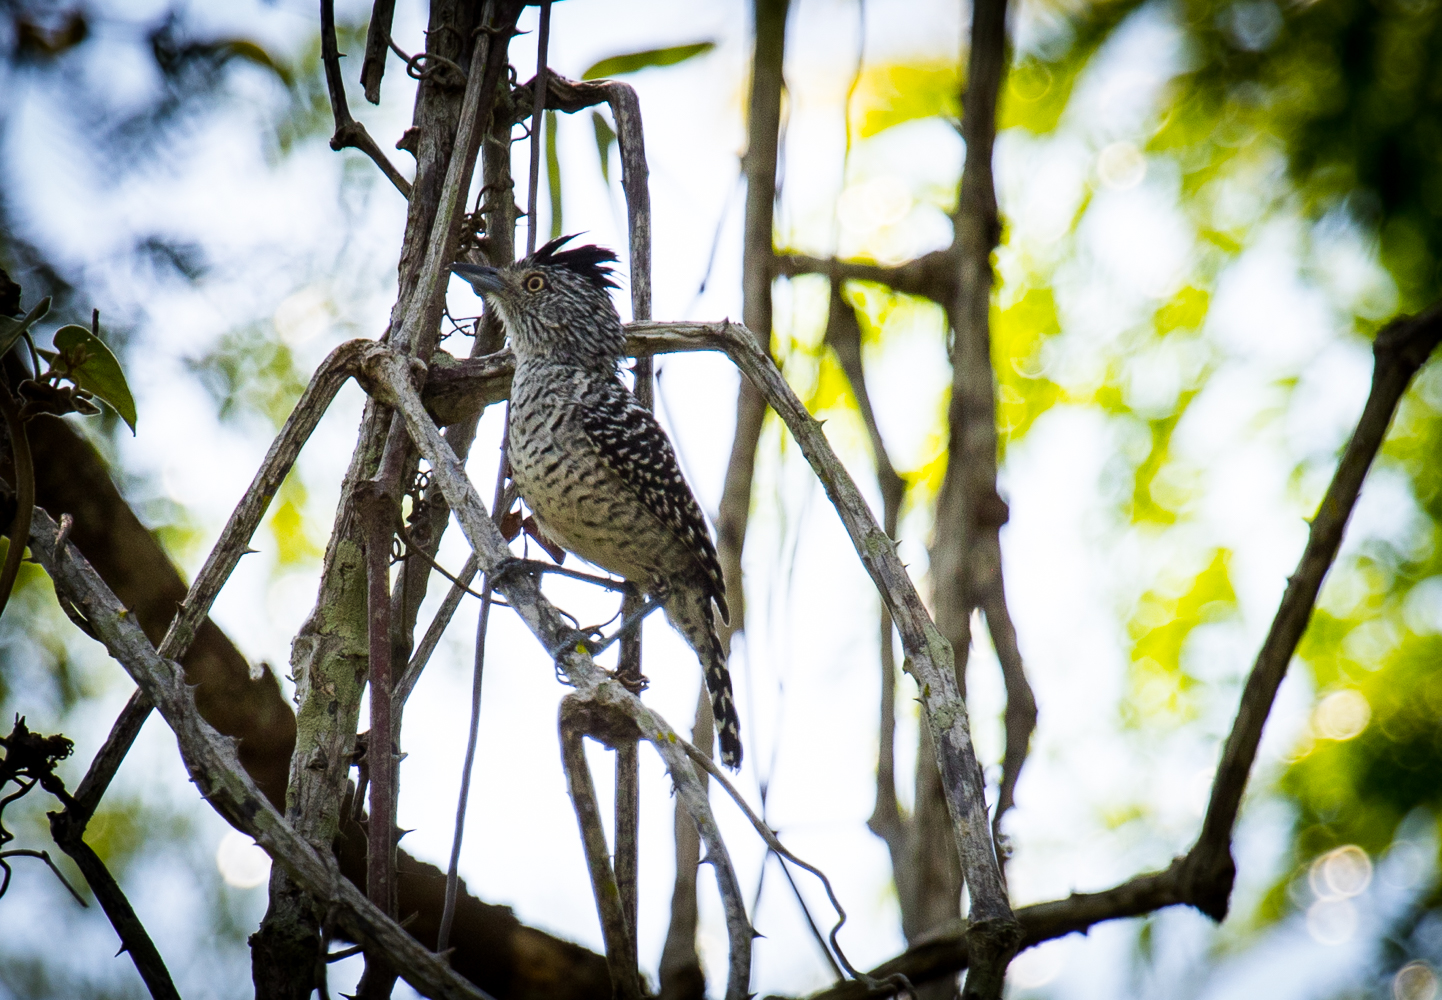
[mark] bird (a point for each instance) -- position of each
(593, 465)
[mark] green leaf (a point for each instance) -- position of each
(630, 63)
(553, 174)
(12, 329)
(605, 139)
(88, 363)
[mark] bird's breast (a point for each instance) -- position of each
(580, 501)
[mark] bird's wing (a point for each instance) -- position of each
(633, 445)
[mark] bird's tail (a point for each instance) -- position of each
(689, 610)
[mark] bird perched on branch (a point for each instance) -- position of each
(591, 462)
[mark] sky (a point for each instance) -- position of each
(302, 245)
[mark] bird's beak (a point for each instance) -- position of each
(481, 278)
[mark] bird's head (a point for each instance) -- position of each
(554, 304)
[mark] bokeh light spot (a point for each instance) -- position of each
(1341, 715)
(874, 204)
(1036, 966)
(242, 862)
(1341, 873)
(1332, 921)
(1414, 981)
(1121, 166)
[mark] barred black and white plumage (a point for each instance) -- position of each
(594, 466)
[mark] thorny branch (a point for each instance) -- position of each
(29, 761)
(929, 656)
(385, 375)
(332, 642)
(68, 832)
(492, 948)
(350, 133)
(211, 761)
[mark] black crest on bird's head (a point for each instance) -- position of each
(555, 305)
(589, 261)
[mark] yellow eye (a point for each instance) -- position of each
(535, 283)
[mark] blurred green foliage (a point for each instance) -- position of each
(1159, 627)
(251, 370)
(1328, 113)
(634, 62)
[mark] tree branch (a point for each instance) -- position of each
(1203, 877)
(388, 378)
(350, 133)
(1020, 701)
(210, 759)
(491, 947)
(68, 830)
(931, 276)
(1399, 350)
(379, 510)
(928, 654)
(616, 929)
(378, 39)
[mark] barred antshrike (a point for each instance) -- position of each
(592, 463)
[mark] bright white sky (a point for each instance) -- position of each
(305, 243)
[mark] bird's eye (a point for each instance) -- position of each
(535, 283)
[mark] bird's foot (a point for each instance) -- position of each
(630, 622)
(536, 567)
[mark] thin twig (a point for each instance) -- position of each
(616, 930)
(635, 174)
(350, 133)
(413, 549)
(776, 847)
(68, 829)
(448, 910)
(434, 631)
(537, 120)
(1020, 701)
(25, 852)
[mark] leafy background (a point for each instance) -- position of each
(1209, 210)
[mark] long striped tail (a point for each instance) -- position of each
(689, 610)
